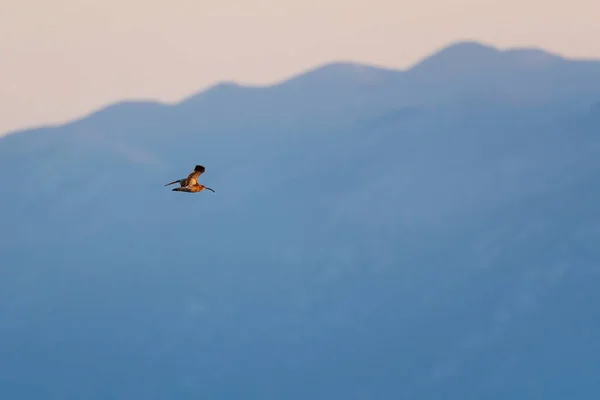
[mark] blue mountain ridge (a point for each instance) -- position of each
(424, 233)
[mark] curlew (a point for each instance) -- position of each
(190, 184)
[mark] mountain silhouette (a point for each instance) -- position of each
(422, 233)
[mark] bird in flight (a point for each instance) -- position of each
(190, 184)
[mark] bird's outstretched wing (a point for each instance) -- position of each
(192, 178)
(180, 181)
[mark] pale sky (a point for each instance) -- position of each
(61, 59)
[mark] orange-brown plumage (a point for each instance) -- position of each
(190, 184)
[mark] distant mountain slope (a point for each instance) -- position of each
(429, 233)
(465, 68)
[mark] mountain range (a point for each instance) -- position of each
(428, 233)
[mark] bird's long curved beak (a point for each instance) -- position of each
(210, 189)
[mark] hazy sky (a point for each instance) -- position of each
(63, 58)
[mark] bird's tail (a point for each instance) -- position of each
(170, 183)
